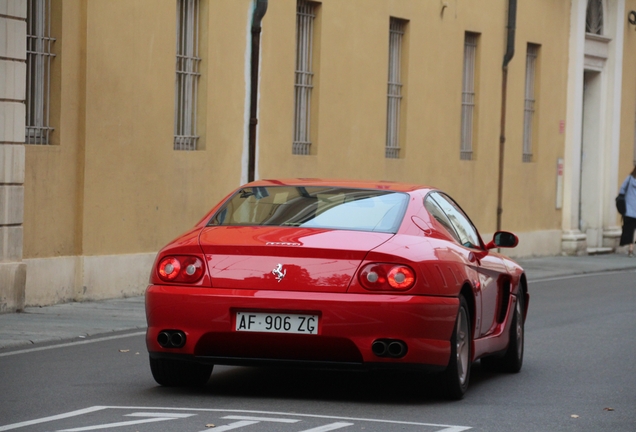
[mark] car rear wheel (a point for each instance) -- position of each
(512, 360)
(457, 373)
(175, 373)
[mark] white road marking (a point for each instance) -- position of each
(446, 427)
(113, 425)
(148, 414)
(454, 429)
(154, 417)
(249, 420)
(235, 425)
(441, 427)
(580, 275)
(264, 419)
(329, 427)
(52, 418)
(68, 344)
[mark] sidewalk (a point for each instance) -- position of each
(70, 321)
(73, 321)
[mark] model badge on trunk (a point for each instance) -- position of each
(279, 272)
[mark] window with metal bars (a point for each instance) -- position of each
(187, 77)
(594, 17)
(468, 96)
(38, 80)
(397, 28)
(305, 18)
(529, 102)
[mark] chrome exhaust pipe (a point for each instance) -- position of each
(177, 340)
(396, 349)
(379, 348)
(171, 338)
(389, 348)
(163, 339)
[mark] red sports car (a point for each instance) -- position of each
(343, 274)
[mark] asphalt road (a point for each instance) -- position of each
(579, 374)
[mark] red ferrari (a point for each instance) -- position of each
(336, 274)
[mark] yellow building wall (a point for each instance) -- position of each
(530, 191)
(350, 120)
(54, 173)
(627, 158)
(111, 183)
(110, 190)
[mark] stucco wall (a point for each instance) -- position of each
(351, 113)
(627, 157)
(111, 190)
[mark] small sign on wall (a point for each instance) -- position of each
(559, 191)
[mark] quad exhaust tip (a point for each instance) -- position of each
(389, 348)
(171, 338)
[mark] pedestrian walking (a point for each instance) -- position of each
(628, 188)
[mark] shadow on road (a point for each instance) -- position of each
(395, 387)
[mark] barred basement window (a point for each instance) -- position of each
(594, 17)
(468, 96)
(305, 17)
(38, 81)
(394, 94)
(529, 104)
(187, 79)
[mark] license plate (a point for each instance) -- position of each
(276, 323)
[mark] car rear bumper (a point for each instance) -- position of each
(349, 324)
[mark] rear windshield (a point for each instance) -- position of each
(314, 207)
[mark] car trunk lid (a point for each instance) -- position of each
(285, 258)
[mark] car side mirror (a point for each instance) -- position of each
(503, 239)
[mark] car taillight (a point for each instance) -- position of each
(387, 277)
(187, 269)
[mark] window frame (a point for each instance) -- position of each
(530, 102)
(395, 86)
(438, 198)
(594, 17)
(306, 14)
(188, 18)
(440, 216)
(469, 96)
(39, 43)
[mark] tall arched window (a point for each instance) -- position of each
(594, 17)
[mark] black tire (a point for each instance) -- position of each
(457, 374)
(512, 360)
(175, 373)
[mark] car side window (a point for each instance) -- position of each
(436, 211)
(467, 233)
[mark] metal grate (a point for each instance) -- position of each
(187, 79)
(594, 17)
(38, 81)
(305, 16)
(468, 96)
(394, 93)
(529, 104)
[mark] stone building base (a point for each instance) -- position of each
(573, 243)
(12, 286)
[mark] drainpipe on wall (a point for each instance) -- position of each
(510, 52)
(257, 17)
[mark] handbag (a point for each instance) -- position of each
(621, 206)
